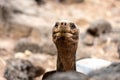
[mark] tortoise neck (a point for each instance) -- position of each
(66, 64)
(66, 60)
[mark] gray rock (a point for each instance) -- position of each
(110, 76)
(118, 49)
(18, 69)
(40, 2)
(22, 46)
(99, 27)
(43, 46)
(111, 72)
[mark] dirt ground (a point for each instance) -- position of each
(82, 14)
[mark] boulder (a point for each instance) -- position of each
(99, 27)
(18, 69)
(111, 72)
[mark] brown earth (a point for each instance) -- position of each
(27, 22)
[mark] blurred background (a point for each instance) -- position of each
(26, 28)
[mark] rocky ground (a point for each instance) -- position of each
(26, 26)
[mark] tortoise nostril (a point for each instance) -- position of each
(61, 23)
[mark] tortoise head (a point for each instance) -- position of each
(65, 30)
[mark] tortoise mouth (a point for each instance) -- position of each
(65, 36)
(62, 32)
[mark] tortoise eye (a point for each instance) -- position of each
(56, 24)
(72, 25)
